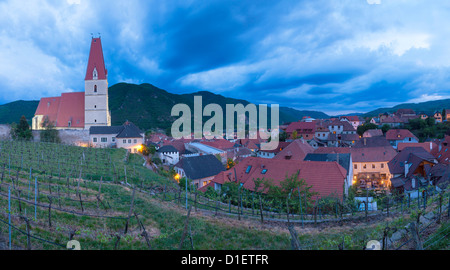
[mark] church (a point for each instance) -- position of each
(79, 110)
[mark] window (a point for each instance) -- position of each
(365, 166)
(95, 88)
(373, 166)
(264, 171)
(104, 139)
(382, 165)
(129, 141)
(95, 106)
(113, 139)
(135, 140)
(94, 139)
(356, 166)
(124, 141)
(248, 169)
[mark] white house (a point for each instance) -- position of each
(127, 136)
(169, 155)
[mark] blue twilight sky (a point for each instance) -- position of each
(333, 56)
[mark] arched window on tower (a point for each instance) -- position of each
(95, 88)
(95, 74)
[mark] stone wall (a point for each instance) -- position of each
(70, 137)
(5, 132)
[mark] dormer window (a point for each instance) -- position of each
(95, 74)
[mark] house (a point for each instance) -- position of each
(410, 169)
(305, 130)
(274, 152)
(203, 149)
(446, 114)
(341, 127)
(80, 110)
(296, 150)
(322, 131)
(375, 121)
(354, 120)
(127, 136)
(339, 140)
(370, 167)
(393, 121)
(325, 178)
(405, 113)
(316, 143)
(345, 160)
(199, 169)
(168, 155)
(440, 176)
(239, 153)
(423, 116)
(395, 136)
(438, 117)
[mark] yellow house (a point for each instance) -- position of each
(438, 117)
(370, 167)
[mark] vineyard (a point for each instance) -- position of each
(106, 199)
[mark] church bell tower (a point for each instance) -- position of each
(96, 88)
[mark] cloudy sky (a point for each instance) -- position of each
(333, 56)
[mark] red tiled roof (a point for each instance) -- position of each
(48, 107)
(303, 127)
(373, 154)
(428, 146)
(281, 146)
(326, 178)
(332, 150)
(61, 110)
(296, 150)
(71, 108)
(399, 134)
(96, 60)
(219, 144)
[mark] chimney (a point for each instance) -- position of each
(406, 168)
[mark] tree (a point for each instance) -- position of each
(21, 131)
(152, 149)
(145, 150)
(230, 163)
(361, 129)
(385, 128)
(49, 134)
(294, 135)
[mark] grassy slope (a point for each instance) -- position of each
(164, 221)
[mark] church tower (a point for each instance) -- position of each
(96, 109)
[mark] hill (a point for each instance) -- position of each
(427, 107)
(11, 112)
(149, 106)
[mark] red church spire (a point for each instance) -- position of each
(96, 61)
